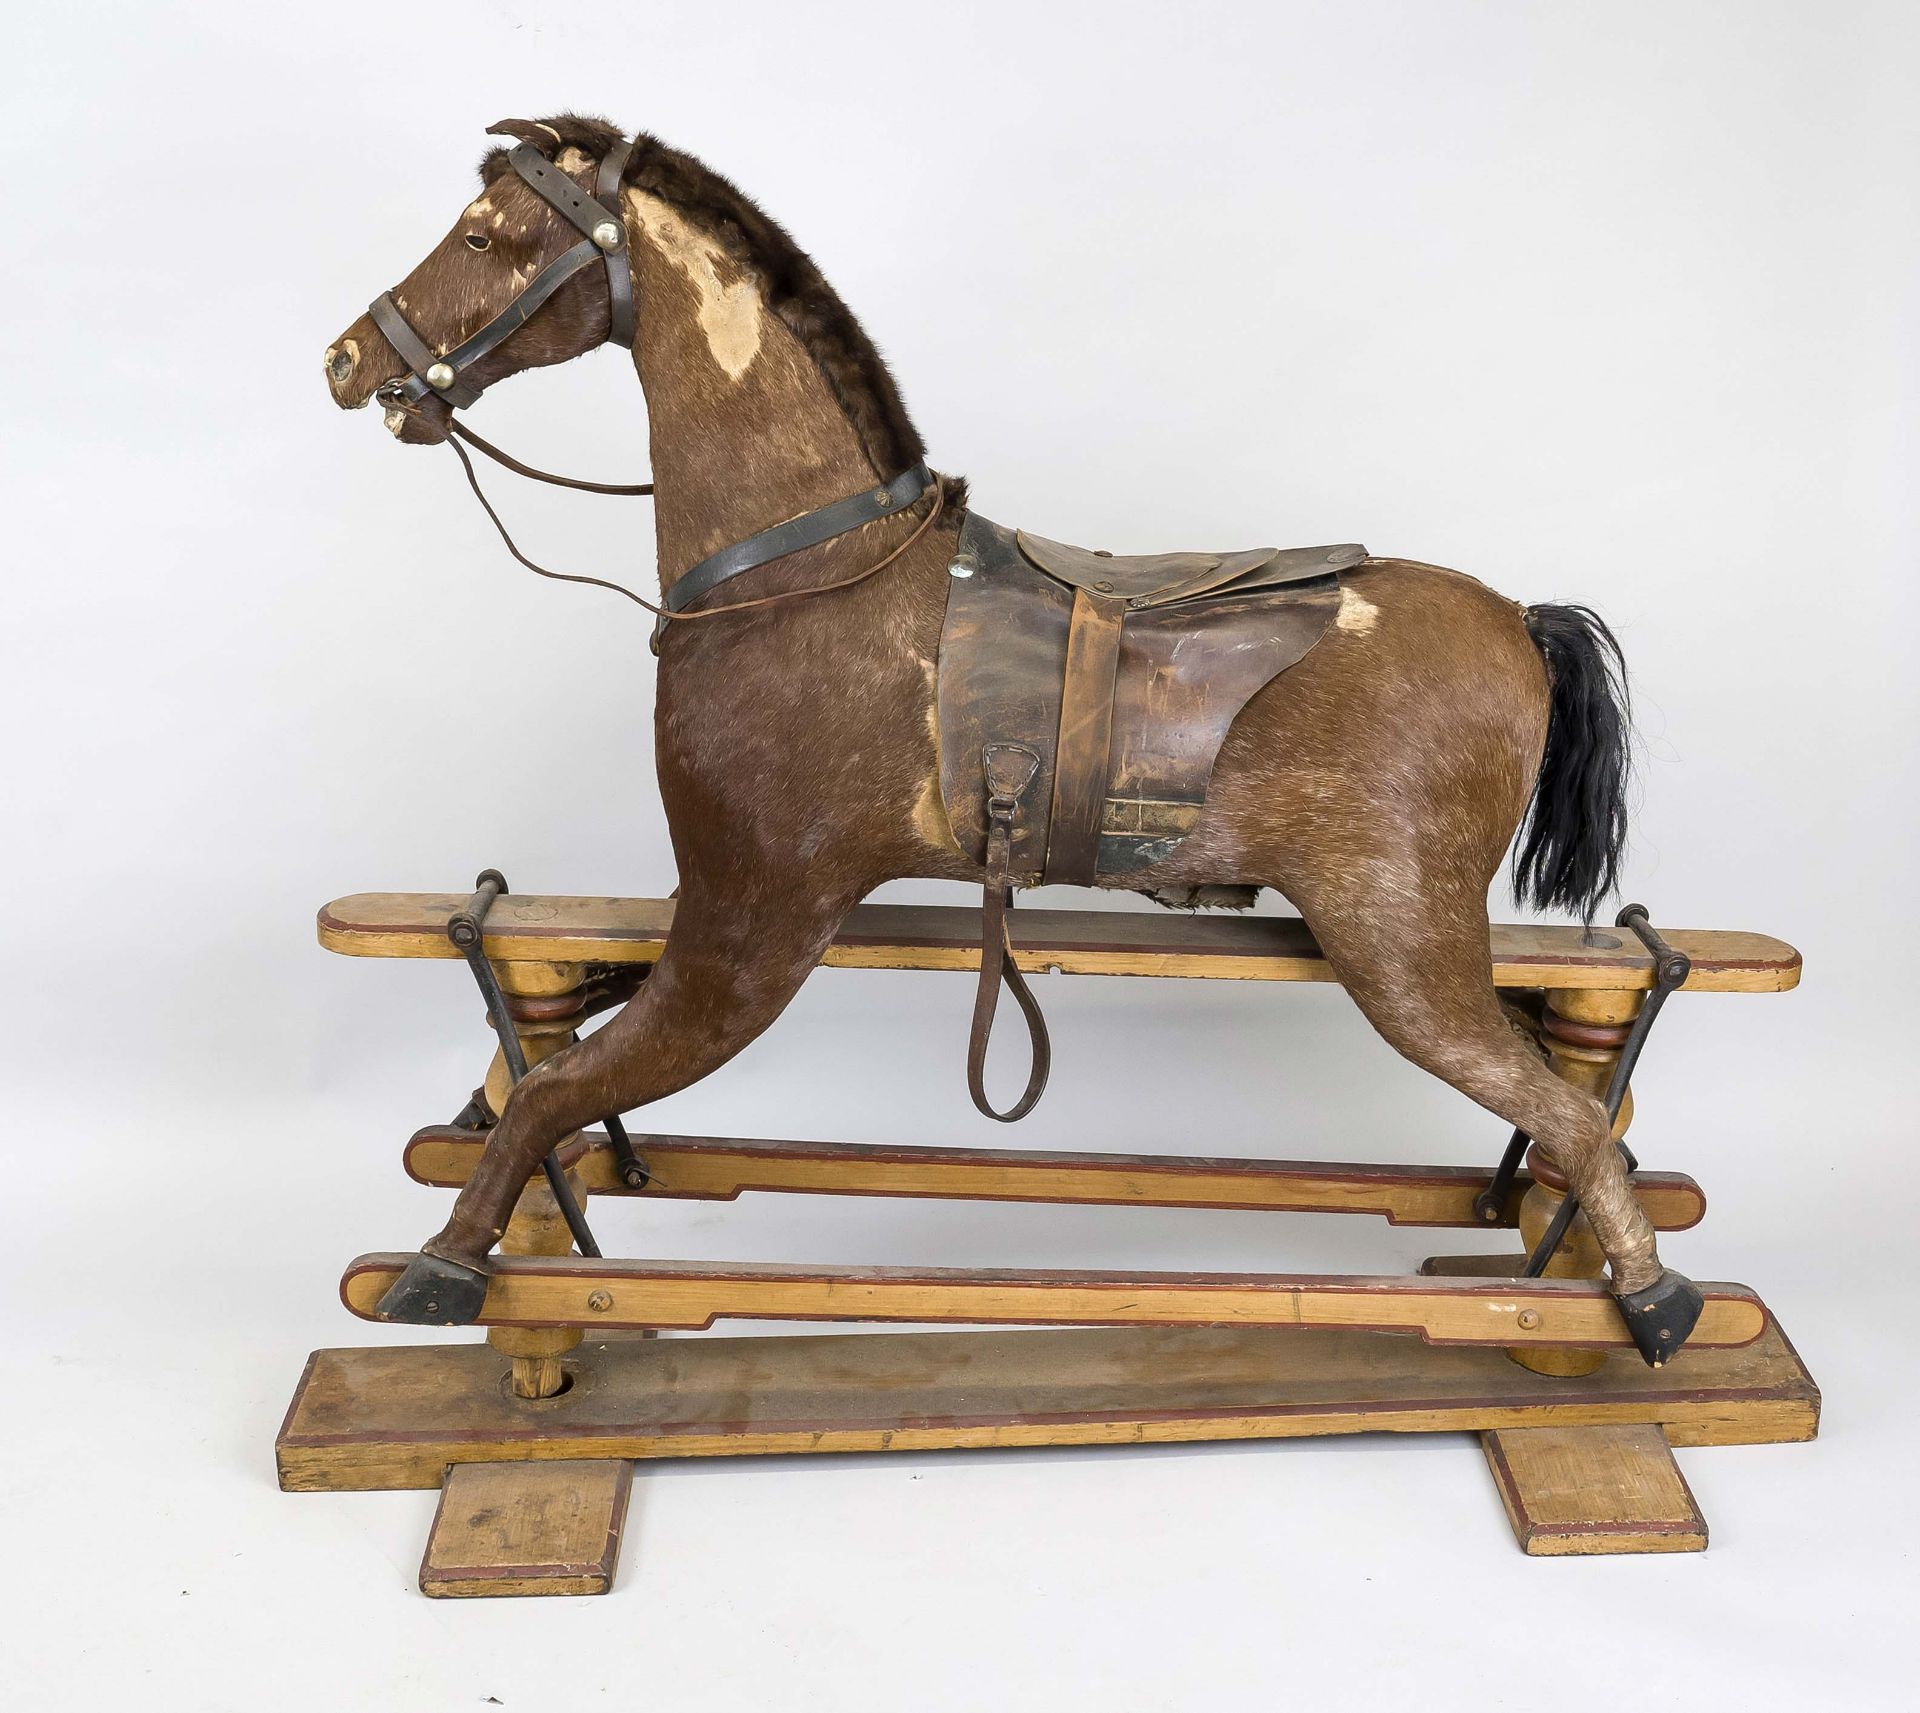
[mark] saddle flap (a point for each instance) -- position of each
(1160, 579)
(1124, 753)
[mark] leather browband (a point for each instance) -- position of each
(807, 530)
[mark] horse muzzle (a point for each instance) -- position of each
(420, 422)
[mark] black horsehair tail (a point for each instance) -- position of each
(1575, 831)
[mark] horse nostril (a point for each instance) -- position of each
(340, 365)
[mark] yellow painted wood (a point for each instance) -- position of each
(570, 1291)
(1577, 1491)
(397, 1415)
(707, 1168)
(527, 1528)
(1075, 942)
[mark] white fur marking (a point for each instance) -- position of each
(729, 313)
(1357, 615)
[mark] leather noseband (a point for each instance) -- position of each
(605, 239)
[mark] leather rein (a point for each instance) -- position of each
(604, 239)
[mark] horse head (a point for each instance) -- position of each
(466, 315)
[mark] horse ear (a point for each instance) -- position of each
(542, 137)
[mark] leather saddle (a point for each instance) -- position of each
(1083, 697)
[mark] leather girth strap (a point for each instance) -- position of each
(1009, 770)
(1086, 734)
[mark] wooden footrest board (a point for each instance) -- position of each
(399, 1415)
(1581, 1490)
(527, 1528)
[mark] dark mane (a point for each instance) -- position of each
(796, 290)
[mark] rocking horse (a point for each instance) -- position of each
(863, 679)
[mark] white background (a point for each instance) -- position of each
(1606, 303)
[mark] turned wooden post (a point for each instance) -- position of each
(1582, 1030)
(546, 1001)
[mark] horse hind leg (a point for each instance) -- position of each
(1415, 961)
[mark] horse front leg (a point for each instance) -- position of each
(731, 965)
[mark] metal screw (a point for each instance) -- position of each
(1104, 586)
(600, 1301)
(1529, 1319)
(439, 375)
(607, 235)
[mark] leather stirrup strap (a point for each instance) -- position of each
(1010, 769)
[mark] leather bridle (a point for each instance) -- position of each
(604, 239)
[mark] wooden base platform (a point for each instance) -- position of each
(398, 1416)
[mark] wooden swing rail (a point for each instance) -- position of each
(604, 1294)
(722, 1168)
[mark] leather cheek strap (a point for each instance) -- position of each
(621, 320)
(588, 212)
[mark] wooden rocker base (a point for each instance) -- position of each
(1578, 1460)
(531, 1437)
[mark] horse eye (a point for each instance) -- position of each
(478, 240)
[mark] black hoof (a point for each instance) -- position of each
(433, 1292)
(1661, 1316)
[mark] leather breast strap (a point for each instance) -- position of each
(1080, 772)
(1010, 770)
(808, 530)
